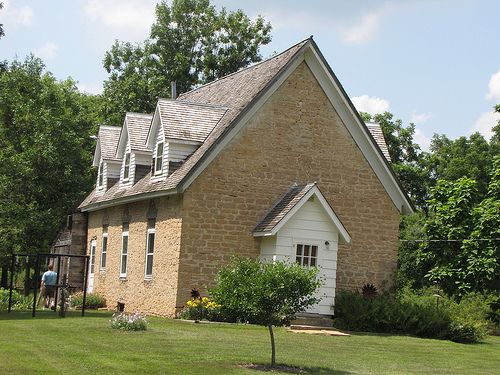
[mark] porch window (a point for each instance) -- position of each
(124, 253)
(306, 255)
(126, 168)
(104, 249)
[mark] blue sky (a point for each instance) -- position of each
(433, 62)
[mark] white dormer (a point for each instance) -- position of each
(178, 128)
(108, 167)
(135, 156)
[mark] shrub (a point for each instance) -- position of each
(19, 302)
(413, 313)
(129, 322)
(92, 301)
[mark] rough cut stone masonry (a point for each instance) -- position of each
(295, 137)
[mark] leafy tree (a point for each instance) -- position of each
(268, 294)
(45, 153)
(2, 32)
(462, 253)
(191, 43)
(407, 159)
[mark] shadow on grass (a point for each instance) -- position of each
(282, 368)
(49, 314)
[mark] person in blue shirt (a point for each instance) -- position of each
(48, 285)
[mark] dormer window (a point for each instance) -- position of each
(101, 174)
(126, 168)
(159, 158)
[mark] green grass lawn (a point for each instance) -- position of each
(74, 345)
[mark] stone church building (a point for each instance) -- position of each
(270, 162)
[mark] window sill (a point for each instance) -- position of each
(123, 278)
(148, 278)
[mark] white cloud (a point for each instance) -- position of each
(423, 140)
(485, 123)
(494, 86)
(90, 88)
(370, 104)
(12, 15)
(418, 118)
(132, 19)
(47, 52)
(365, 30)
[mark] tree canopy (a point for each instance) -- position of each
(191, 43)
(46, 153)
(268, 294)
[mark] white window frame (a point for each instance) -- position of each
(126, 166)
(149, 254)
(93, 248)
(104, 252)
(311, 244)
(159, 156)
(122, 254)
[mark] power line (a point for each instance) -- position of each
(466, 239)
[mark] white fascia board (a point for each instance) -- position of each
(142, 152)
(130, 199)
(242, 122)
(344, 235)
(343, 107)
(153, 128)
(122, 141)
(97, 154)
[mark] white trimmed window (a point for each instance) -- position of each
(150, 246)
(306, 255)
(159, 158)
(101, 174)
(126, 167)
(92, 256)
(124, 252)
(104, 249)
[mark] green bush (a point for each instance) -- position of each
(129, 322)
(92, 301)
(19, 302)
(413, 313)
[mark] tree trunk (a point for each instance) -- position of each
(273, 347)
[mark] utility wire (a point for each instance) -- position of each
(467, 239)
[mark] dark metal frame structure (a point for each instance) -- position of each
(37, 273)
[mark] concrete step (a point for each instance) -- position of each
(314, 320)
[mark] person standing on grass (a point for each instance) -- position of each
(48, 285)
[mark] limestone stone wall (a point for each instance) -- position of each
(297, 136)
(152, 296)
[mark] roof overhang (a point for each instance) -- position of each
(344, 236)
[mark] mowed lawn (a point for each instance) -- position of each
(75, 345)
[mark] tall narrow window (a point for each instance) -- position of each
(104, 249)
(307, 255)
(126, 168)
(150, 245)
(101, 173)
(159, 158)
(124, 253)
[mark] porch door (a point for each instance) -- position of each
(90, 284)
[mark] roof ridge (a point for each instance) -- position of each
(139, 114)
(246, 68)
(110, 127)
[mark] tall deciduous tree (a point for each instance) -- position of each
(45, 153)
(268, 294)
(191, 43)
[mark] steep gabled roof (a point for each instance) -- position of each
(243, 93)
(289, 204)
(187, 120)
(378, 135)
(107, 140)
(135, 131)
